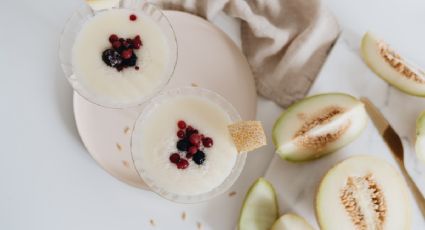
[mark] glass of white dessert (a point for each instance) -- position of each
(182, 148)
(118, 57)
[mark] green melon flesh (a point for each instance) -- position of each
(326, 137)
(371, 55)
(366, 189)
(291, 222)
(260, 209)
(420, 137)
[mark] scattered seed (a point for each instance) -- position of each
(126, 129)
(126, 164)
(152, 222)
(119, 147)
(199, 225)
(183, 215)
(232, 193)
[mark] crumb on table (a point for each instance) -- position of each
(126, 129)
(126, 164)
(152, 222)
(119, 147)
(232, 193)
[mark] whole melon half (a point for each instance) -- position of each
(363, 192)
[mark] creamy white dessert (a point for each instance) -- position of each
(157, 136)
(129, 85)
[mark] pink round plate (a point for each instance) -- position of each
(207, 58)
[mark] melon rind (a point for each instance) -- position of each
(260, 207)
(289, 122)
(330, 212)
(291, 221)
(371, 56)
(420, 137)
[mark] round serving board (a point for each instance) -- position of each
(207, 58)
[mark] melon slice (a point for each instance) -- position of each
(247, 135)
(318, 125)
(391, 67)
(97, 5)
(363, 192)
(291, 222)
(260, 209)
(420, 137)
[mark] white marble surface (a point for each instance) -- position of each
(48, 181)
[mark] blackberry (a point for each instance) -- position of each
(111, 58)
(131, 61)
(199, 157)
(183, 145)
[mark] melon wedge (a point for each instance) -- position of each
(420, 137)
(97, 5)
(318, 125)
(260, 209)
(363, 192)
(391, 67)
(291, 222)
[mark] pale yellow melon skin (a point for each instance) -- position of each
(370, 54)
(332, 216)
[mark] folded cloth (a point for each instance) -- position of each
(285, 41)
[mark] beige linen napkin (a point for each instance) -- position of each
(285, 41)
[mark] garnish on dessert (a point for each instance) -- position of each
(97, 5)
(247, 135)
(121, 54)
(191, 145)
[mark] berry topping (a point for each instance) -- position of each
(137, 42)
(207, 142)
(181, 124)
(132, 61)
(195, 139)
(126, 44)
(191, 143)
(113, 38)
(199, 158)
(122, 55)
(192, 149)
(180, 133)
(182, 145)
(182, 164)
(111, 58)
(116, 44)
(126, 54)
(175, 158)
(133, 17)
